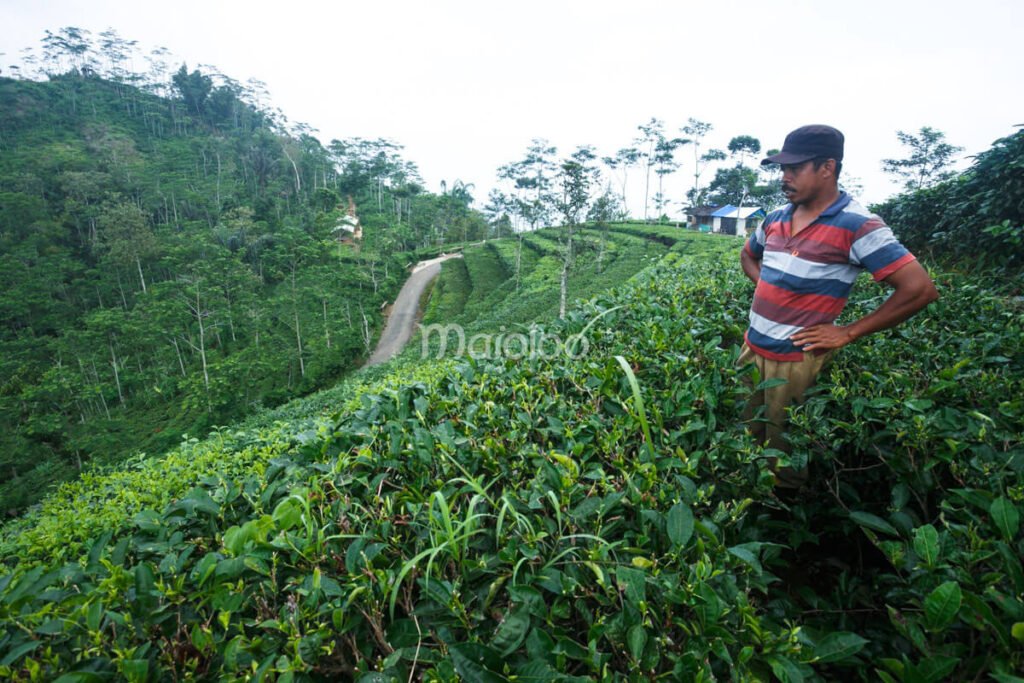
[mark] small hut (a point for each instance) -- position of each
(732, 220)
(699, 218)
(349, 230)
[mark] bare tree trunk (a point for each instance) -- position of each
(519, 257)
(96, 379)
(566, 262)
(231, 319)
(298, 331)
(177, 350)
(218, 181)
(327, 329)
(373, 275)
(142, 278)
(564, 287)
(366, 330)
(254, 314)
(117, 376)
(120, 288)
(625, 208)
(298, 183)
(199, 313)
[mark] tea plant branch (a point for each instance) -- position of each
(834, 481)
(861, 469)
(419, 642)
(860, 610)
(377, 632)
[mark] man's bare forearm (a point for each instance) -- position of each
(909, 297)
(751, 266)
(914, 290)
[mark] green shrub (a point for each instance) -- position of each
(600, 517)
(977, 217)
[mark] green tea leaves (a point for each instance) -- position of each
(679, 524)
(873, 522)
(1006, 517)
(926, 544)
(942, 605)
(835, 647)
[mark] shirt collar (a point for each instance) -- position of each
(838, 205)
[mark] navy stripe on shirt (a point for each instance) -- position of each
(793, 283)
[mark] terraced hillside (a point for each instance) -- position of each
(484, 293)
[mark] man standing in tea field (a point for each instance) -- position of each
(804, 259)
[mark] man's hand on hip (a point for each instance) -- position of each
(823, 336)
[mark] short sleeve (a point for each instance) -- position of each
(755, 244)
(876, 249)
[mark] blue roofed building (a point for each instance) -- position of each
(726, 219)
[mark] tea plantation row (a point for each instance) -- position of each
(597, 517)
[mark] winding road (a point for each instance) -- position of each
(405, 310)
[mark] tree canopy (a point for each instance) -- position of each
(929, 160)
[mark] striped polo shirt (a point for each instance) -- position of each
(806, 279)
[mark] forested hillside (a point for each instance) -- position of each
(170, 261)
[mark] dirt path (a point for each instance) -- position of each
(405, 310)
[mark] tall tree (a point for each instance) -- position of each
(126, 237)
(70, 47)
(194, 88)
(696, 131)
(929, 161)
(731, 185)
(665, 164)
(625, 159)
(533, 177)
(117, 51)
(652, 134)
(577, 176)
(742, 146)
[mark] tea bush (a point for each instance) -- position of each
(598, 517)
(975, 218)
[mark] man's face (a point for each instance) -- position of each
(801, 183)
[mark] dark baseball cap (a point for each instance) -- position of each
(809, 142)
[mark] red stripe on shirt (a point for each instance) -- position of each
(870, 225)
(822, 303)
(893, 267)
(787, 315)
(828, 234)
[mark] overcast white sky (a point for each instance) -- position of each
(466, 84)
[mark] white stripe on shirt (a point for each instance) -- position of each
(770, 328)
(785, 262)
(864, 246)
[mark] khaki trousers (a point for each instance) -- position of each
(769, 429)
